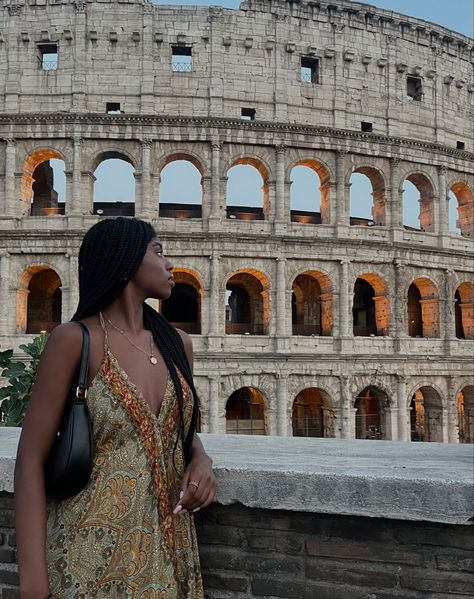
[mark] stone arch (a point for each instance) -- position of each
(465, 406)
(39, 300)
(313, 414)
(36, 167)
(464, 310)
(324, 174)
(426, 189)
(426, 414)
(186, 207)
(184, 307)
(465, 200)
(247, 303)
(371, 414)
(240, 211)
(312, 304)
(423, 308)
(246, 412)
(115, 207)
(379, 186)
(371, 313)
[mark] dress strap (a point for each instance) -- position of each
(104, 328)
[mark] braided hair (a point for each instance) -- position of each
(110, 254)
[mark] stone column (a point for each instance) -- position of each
(281, 213)
(342, 217)
(345, 406)
(398, 307)
(403, 414)
(443, 222)
(452, 413)
(449, 318)
(344, 299)
(146, 207)
(7, 314)
(74, 207)
(396, 202)
(282, 405)
(215, 212)
(281, 326)
(214, 307)
(391, 423)
(213, 404)
(73, 275)
(11, 209)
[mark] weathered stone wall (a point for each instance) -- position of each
(251, 58)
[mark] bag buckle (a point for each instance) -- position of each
(81, 393)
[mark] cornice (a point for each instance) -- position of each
(223, 123)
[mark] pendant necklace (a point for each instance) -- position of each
(151, 357)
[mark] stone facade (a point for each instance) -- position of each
(363, 60)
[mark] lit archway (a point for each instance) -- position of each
(417, 189)
(39, 300)
(371, 412)
(423, 309)
(245, 412)
(43, 183)
(310, 192)
(466, 414)
(464, 310)
(247, 190)
(371, 306)
(367, 197)
(183, 307)
(426, 415)
(247, 304)
(114, 185)
(312, 304)
(465, 207)
(181, 187)
(312, 414)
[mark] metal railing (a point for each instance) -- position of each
(243, 328)
(179, 66)
(308, 426)
(368, 426)
(245, 426)
(49, 65)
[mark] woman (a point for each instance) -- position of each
(130, 532)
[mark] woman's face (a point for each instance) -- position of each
(154, 273)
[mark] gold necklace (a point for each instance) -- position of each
(150, 355)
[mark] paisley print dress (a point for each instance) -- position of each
(119, 538)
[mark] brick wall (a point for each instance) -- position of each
(249, 553)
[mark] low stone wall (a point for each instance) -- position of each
(319, 518)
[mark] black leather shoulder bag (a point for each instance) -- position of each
(69, 464)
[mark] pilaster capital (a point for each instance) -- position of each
(394, 161)
(77, 140)
(341, 154)
(216, 145)
(397, 263)
(10, 141)
(280, 149)
(147, 142)
(344, 262)
(442, 169)
(401, 379)
(80, 6)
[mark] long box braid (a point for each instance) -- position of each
(110, 254)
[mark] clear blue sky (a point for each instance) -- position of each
(453, 14)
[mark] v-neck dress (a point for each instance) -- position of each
(119, 538)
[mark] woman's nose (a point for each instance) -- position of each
(169, 266)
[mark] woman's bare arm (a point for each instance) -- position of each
(56, 372)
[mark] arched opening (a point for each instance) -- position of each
(247, 310)
(312, 304)
(44, 183)
(367, 197)
(309, 193)
(426, 415)
(466, 414)
(370, 406)
(114, 185)
(371, 307)
(247, 190)
(463, 311)
(183, 307)
(463, 221)
(423, 309)
(181, 188)
(453, 214)
(418, 205)
(39, 300)
(312, 414)
(245, 412)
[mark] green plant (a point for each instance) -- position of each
(14, 396)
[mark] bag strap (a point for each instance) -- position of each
(81, 389)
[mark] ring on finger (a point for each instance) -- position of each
(192, 482)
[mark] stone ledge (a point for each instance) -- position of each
(381, 479)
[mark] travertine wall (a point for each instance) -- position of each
(250, 58)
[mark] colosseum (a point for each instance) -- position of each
(308, 318)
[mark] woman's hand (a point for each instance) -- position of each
(198, 487)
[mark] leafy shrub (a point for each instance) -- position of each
(14, 396)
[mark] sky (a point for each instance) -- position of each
(118, 184)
